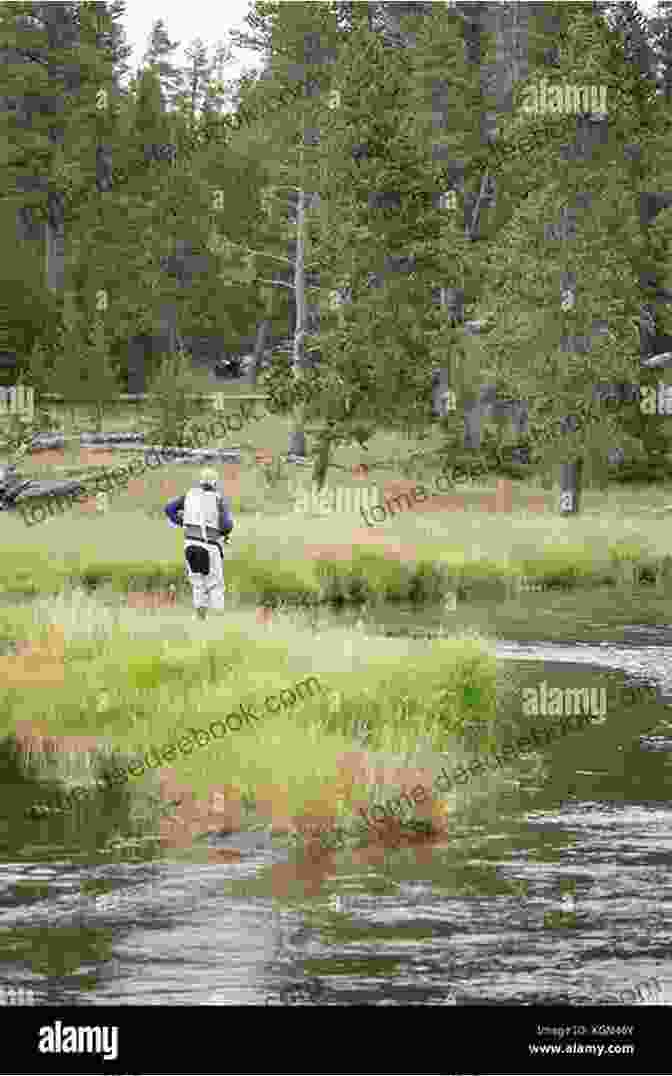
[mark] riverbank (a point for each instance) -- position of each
(94, 585)
(281, 558)
(301, 765)
(496, 539)
(523, 858)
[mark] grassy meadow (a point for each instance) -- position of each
(133, 680)
(280, 555)
(137, 669)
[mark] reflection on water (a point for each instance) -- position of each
(553, 887)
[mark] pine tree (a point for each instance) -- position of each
(304, 48)
(261, 19)
(157, 57)
(392, 252)
(37, 368)
(217, 90)
(112, 40)
(171, 404)
(28, 311)
(394, 248)
(661, 29)
(52, 126)
(626, 18)
(596, 269)
(102, 376)
(114, 245)
(200, 102)
(195, 76)
(68, 373)
(153, 131)
(276, 112)
(36, 34)
(151, 126)
(145, 242)
(453, 97)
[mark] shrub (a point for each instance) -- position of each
(170, 406)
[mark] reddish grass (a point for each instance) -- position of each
(229, 482)
(538, 505)
(151, 600)
(49, 458)
(37, 665)
(96, 457)
(33, 736)
(502, 502)
(221, 812)
(89, 507)
(397, 489)
(340, 553)
(321, 814)
(442, 503)
(311, 872)
(170, 489)
(231, 479)
(360, 472)
(137, 487)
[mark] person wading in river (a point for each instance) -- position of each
(205, 515)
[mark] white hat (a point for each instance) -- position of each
(209, 477)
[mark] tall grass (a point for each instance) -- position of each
(136, 681)
(273, 556)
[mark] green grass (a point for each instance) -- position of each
(416, 697)
(132, 546)
(178, 675)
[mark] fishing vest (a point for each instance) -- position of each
(201, 515)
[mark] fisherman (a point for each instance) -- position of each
(205, 515)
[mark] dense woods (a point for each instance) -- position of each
(380, 209)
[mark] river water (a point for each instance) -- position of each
(553, 886)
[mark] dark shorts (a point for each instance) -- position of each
(198, 558)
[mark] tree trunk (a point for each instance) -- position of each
(168, 322)
(137, 369)
(55, 246)
(259, 352)
(73, 443)
(321, 467)
(297, 438)
(440, 390)
(472, 220)
(570, 488)
(452, 301)
(62, 34)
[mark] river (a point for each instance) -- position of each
(553, 887)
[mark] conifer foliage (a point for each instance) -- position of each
(378, 189)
